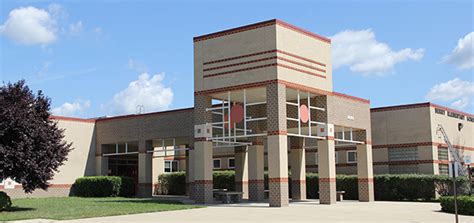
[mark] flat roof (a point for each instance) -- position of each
(417, 105)
(260, 25)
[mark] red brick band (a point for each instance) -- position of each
(242, 182)
(63, 118)
(278, 180)
(201, 139)
(264, 66)
(417, 105)
(256, 181)
(277, 132)
(266, 59)
(365, 180)
(266, 52)
(261, 25)
(299, 181)
(416, 144)
(257, 143)
(286, 83)
(202, 182)
(327, 180)
(241, 63)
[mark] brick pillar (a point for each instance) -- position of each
(189, 173)
(365, 172)
(256, 172)
(145, 187)
(241, 171)
(327, 171)
(277, 145)
(298, 169)
(202, 187)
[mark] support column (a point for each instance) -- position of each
(365, 173)
(327, 171)
(256, 172)
(189, 173)
(277, 145)
(241, 171)
(202, 189)
(145, 187)
(101, 165)
(298, 169)
(101, 162)
(158, 165)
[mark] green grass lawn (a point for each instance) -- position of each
(75, 207)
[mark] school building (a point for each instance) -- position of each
(263, 101)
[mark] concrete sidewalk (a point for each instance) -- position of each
(347, 211)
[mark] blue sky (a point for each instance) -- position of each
(96, 58)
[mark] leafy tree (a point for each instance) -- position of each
(31, 144)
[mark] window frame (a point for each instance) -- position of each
(171, 166)
(214, 166)
(347, 156)
(228, 163)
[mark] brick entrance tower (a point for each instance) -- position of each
(279, 77)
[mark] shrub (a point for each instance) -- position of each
(175, 183)
(172, 183)
(312, 185)
(127, 188)
(386, 187)
(224, 180)
(103, 186)
(349, 184)
(465, 204)
(5, 201)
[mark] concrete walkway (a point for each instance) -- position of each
(347, 211)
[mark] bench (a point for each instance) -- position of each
(340, 195)
(228, 197)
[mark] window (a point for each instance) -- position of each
(443, 153)
(231, 163)
(217, 164)
(336, 157)
(400, 154)
(351, 157)
(171, 166)
(443, 169)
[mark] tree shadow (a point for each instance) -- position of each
(17, 209)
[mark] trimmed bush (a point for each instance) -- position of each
(465, 204)
(104, 186)
(386, 187)
(224, 180)
(172, 183)
(5, 201)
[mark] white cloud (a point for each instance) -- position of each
(30, 25)
(359, 50)
(462, 55)
(69, 109)
(148, 91)
(456, 91)
(75, 28)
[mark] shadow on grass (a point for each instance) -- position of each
(143, 201)
(17, 209)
